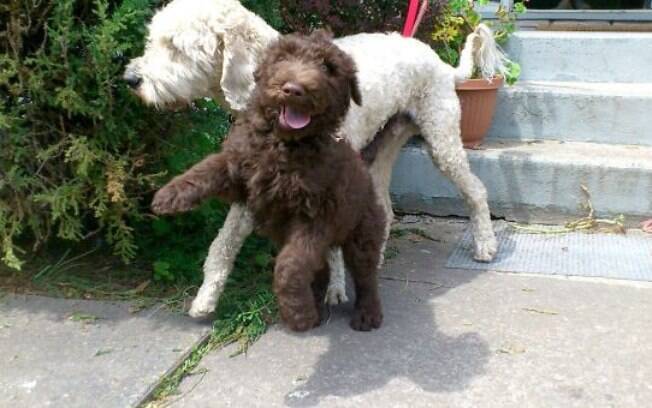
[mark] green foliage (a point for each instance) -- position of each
(345, 17)
(74, 144)
(458, 19)
(246, 308)
(176, 246)
(268, 10)
(79, 155)
(513, 72)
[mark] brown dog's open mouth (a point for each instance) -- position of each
(292, 119)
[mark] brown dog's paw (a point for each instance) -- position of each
(366, 319)
(172, 199)
(302, 325)
(301, 322)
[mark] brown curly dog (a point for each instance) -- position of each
(308, 190)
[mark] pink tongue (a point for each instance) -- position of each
(294, 119)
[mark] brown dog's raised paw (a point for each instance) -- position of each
(172, 199)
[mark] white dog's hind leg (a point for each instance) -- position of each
(336, 292)
(381, 171)
(238, 225)
(439, 120)
(395, 134)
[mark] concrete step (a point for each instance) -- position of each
(537, 181)
(582, 56)
(616, 113)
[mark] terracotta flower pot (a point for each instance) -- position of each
(478, 100)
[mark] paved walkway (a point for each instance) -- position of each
(78, 353)
(451, 338)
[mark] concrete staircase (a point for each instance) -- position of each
(580, 115)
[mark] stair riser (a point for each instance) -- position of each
(571, 117)
(588, 57)
(523, 189)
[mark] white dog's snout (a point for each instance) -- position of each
(132, 75)
(132, 79)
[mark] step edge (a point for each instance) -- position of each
(572, 154)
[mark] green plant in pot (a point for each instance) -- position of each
(455, 21)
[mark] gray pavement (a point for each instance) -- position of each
(77, 353)
(451, 338)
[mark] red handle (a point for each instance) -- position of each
(417, 21)
(410, 18)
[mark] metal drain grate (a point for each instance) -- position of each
(574, 254)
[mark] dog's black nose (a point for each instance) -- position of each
(132, 80)
(294, 89)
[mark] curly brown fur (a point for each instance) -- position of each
(308, 191)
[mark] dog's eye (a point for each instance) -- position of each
(328, 68)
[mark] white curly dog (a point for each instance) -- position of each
(210, 48)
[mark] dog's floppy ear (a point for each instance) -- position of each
(354, 86)
(238, 65)
(257, 74)
(351, 74)
(196, 46)
(322, 34)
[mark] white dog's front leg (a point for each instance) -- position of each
(238, 225)
(336, 292)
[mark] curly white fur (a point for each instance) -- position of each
(201, 48)
(210, 48)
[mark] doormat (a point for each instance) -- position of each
(574, 254)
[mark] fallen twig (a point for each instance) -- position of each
(540, 311)
(587, 223)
